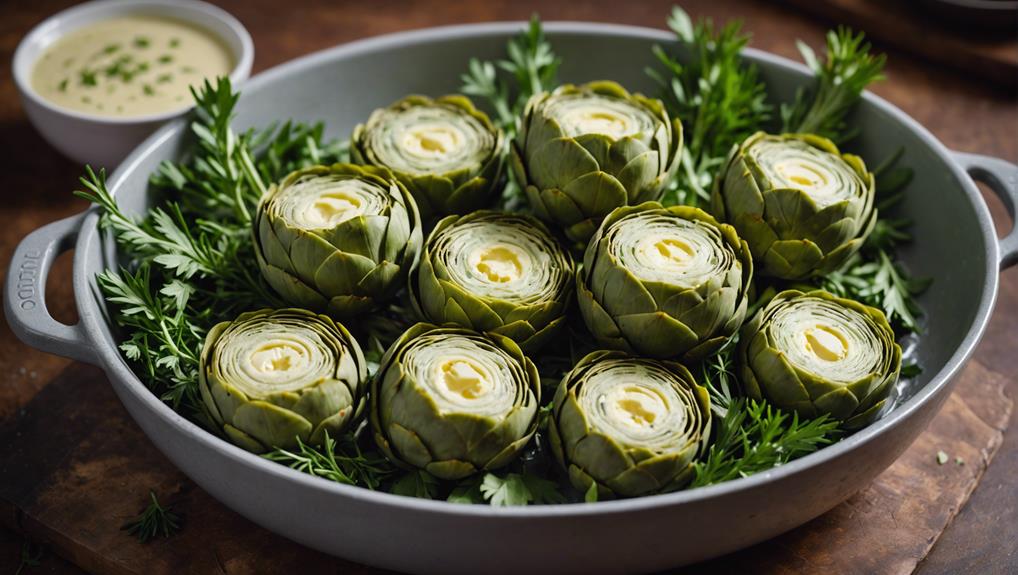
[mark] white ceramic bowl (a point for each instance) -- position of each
(104, 141)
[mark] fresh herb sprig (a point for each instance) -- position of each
(154, 521)
(750, 435)
(840, 81)
(719, 99)
(342, 462)
(531, 64)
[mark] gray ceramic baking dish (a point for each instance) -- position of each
(956, 244)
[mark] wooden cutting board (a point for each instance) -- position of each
(75, 467)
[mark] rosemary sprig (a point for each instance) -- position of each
(154, 521)
(840, 80)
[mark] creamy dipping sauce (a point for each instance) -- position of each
(129, 66)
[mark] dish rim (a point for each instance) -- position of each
(116, 366)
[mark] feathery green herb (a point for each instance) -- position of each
(154, 521)
(719, 99)
(343, 462)
(840, 81)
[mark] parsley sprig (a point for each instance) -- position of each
(719, 99)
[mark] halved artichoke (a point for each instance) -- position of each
(453, 401)
(446, 152)
(272, 376)
(583, 151)
(816, 353)
(664, 282)
(803, 206)
(632, 426)
(337, 239)
(495, 272)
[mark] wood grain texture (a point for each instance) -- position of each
(921, 30)
(105, 468)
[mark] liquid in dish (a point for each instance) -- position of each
(129, 66)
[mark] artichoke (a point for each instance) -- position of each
(664, 282)
(271, 377)
(453, 401)
(816, 353)
(583, 151)
(446, 152)
(495, 272)
(802, 206)
(632, 426)
(338, 239)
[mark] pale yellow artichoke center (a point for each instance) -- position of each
(262, 358)
(463, 374)
(432, 139)
(500, 263)
(428, 139)
(636, 406)
(616, 118)
(324, 201)
(501, 257)
(662, 247)
(826, 342)
(332, 208)
(465, 378)
(824, 177)
(826, 339)
(637, 403)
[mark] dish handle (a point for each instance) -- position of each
(1002, 177)
(25, 292)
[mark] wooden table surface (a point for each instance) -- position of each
(966, 114)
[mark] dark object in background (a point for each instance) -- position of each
(997, 16)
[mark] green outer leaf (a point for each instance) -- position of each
(766, 374)
(657, 319)
(413, 432)
(258, 424)
(791, 238)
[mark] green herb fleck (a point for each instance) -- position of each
(31, 556)
(68, 62)
(148, 90)
(165, 59)
(62, 86)
(86, 100)
(187, 70)
(111, 48)
(87, 77)
(154, 521)
(942, 458)
(141, 42)
(120, 108)
(164, 79)
(174, 42)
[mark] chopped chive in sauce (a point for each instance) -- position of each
(141, 42)
(62, 86)
(111, 48)
(86, 100)
(174, 42)
(165, 59)
(164, 79)
(87, 77)
(148, 90)
(187, 70)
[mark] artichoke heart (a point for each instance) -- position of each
(495, 272)
(632, 426)
(271, 377)
(583, 151)
(337, 239)
(446, 152)
(453, 401)
(801, 205)
(816, 353)
(664, 282)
